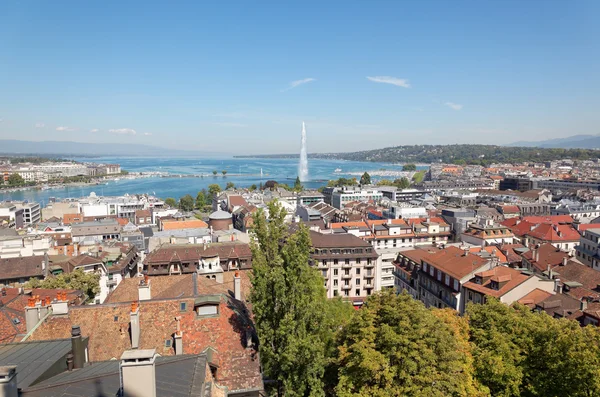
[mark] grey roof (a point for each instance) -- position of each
(220, 215)
(177, 376)
(35, 359)
(194, 232)
(147, 231)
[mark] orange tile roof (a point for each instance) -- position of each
(492, 250)
(453, 261)
(552, 233)
(187, 224)
(499, 274)
(534, 297)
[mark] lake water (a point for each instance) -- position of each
(247, 172)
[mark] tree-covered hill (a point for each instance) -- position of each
(470, 154)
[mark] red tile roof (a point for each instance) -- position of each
(534, 297)
(167, 253)
(499, 274)
(453, 261)
(548, 255)
(554, 233)
(552, 219)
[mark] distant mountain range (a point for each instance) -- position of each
(75, 149)
(572, 142)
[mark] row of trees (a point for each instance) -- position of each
(88, 283)
(394, 346)
(215, 172)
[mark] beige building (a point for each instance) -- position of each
(349, 265)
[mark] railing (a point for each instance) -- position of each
(346, 276)
(369, 275)
(367, 265)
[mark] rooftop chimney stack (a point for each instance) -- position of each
(135, 325)
(178, 337)
(77, 347)
(61, 304)
(32, 313)
(237, 286)
(558, 286)
(144, 292)
(45, 307)
(8, 381)
(138, 373)
(583, 304)
(565, 260)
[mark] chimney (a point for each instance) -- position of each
(144, 292)
(77, 347)
(237, 286)
(537, 255)
(138, 373)
(565, 260)
(135, 325)
(45, 307)
(558, 286)
(32, 313)
(583, 304)
(8, 381)
(178, 337)
(61, 304)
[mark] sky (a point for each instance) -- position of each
(240, 77)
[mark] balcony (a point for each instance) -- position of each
(346, 276)
(368, 285)
(369, 275)
(110, 283)
(346, 286)
(369, 265)
(346, 265)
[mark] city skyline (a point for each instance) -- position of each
(362, 76)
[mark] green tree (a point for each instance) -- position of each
(298, 184)
(521, 353)
(409, 167)
(224, 172)
(289, 306)
(394, 346)
(88, 283)
(365, 179)
(215, 172)
(200, 200)
(230, 185)
(253, 187)
(171, 202)
(214, 190)
(385, 182)
(402, 183)
(186, 203)
(15, 180)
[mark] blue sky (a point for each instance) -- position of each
(240, 77)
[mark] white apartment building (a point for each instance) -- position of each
(31, 212)
(350, 266)
(588, 250)
(348, 194)
(16, 246)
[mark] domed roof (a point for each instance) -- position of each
(220, 215)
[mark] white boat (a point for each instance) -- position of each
(338, 170)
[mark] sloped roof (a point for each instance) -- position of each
(107, 327)
(499, 274)
(548, 255)
(21, 267)
(554, 233)
(453, 261)
(193, 252)
(534, 297)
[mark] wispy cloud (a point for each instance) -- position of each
(227, 124)
(40, 125)
(297, 83)
(64, 128)
(122, 131)
(94, 130)
(147, 134)
(454, 106)
(389, 80)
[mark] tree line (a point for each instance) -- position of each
(394, 346)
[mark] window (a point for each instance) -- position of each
(357, 270)
(357, 281)
(207, 310)
(168, 343)
(358, 260)
(425, 267)
(335, 292)
(182, 306)
(335, 283)
(357, 292)
(335, 261)
(439, 275)
(324, 273)
(116, 318)
(447, 280)
(431, 270)
(324, 262)
(346, 293)
(456, 287)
